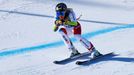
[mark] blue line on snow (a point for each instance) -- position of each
(99, 32)
(60, 43)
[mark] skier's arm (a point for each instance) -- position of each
(72, 19)
(72, 23)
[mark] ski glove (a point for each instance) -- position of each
(66, 22)
(59, 22)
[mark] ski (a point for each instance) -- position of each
(97, 59)
(71, 59)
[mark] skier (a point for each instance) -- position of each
(66, 23)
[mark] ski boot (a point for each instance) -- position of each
(74, 53)
(95, 53)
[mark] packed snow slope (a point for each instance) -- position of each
(28, 45)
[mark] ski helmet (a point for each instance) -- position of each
(61, 7)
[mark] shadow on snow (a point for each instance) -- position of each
(109, 58)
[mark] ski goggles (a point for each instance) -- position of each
(60, 13)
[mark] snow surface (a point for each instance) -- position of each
(28, 45)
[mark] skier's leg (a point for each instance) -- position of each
(68, 42)
(65, 37)
(77, 35)
(85, 42)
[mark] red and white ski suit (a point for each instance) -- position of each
(66, 30)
